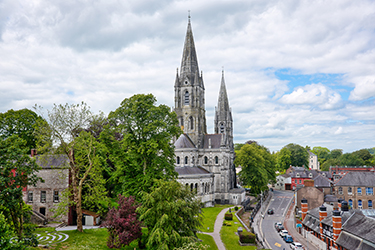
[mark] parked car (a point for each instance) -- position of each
(283, 233)
(279, 226)
(270, 211)
(288, 239)
(296, 246)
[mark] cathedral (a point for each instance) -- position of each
(204, 162)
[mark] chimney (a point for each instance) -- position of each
(322, 215)
(33, 152)
(336, 222)
(304, 208)
(309, 183)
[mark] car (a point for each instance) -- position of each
(296, 246)
(270, 211)
(277, 225)
(288, 238)
(282, 233)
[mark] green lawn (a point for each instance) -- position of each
(209, 217)
(208, 240)
(229, 238)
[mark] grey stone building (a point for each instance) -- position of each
(204, 161)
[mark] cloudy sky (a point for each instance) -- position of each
(297, 71)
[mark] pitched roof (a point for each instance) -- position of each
(195, 170)
(321, 181)
(357, 178)
(184, 141)
(361, 226)
(52, 161)
(215, 140)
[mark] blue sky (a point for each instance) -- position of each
(296, 71)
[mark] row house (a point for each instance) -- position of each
(338, 172)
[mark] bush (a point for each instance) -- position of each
(236, 208)
(246, 237)
(228, 216)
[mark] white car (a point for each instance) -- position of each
(296, 246)
(283, 233)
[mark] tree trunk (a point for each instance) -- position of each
(79, 210)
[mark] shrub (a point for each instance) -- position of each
(246, 237)
(228, 216)
(236, 208)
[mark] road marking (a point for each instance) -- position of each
(277, 244)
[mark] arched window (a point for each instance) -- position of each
(222, 128)
(191, 120)
(370, 204)
(205, 160)
(186, 160)
(340, 190)
(178, 160)
(186, 100)
(191, 187)
(216, 160)
(182, 121)
(196, 186)
(350, 202)
(359, 203)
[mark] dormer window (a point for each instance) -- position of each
(297, 175)
(310, 175)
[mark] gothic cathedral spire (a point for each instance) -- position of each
(189, 93)
(223, 116)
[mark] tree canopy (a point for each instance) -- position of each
(298, 155)
(171, 213)
(139, 141)
(21, 123)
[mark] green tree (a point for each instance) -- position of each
(171, 213)
(139, 140)
(17, 171)
(364, 155)
(283, 159)
(350, 159)
(328, 163)
(21, 123)
(336, 153)
(298, 155)
(322, 153)
(254, 172)
(65, 134)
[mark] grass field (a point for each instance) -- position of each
(209, 217)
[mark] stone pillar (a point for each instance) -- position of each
(304, 208)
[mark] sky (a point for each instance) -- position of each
(296, 71)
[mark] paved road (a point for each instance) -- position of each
(280, 203)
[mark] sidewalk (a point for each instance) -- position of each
(257, 225)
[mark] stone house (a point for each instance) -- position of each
(45, 196)
(357, 188)
(313, 161)
(311, 193)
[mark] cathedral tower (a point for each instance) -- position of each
(223, 117)
(189, 93)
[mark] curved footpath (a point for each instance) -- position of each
(218, 224)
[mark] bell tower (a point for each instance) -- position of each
(189, 93)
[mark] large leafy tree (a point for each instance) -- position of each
(21, 123)
(17, 171)
(298, 155)
(254, 172)
(65, 133)
(139, 140)
(171, 213)
(283, 159)
(322, 153)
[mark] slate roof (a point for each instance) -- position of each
(184, 141)
(357, 179)
(321, 181)
(330, 198)
(195, 170)
(215, 140)
(52, 161)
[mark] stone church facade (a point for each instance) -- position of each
(204, 161)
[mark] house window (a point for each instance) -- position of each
(300, 181)
(186, 102)
(295, 181)
(30, 196)
(55, 196)
(360, 204)
(370, 204)
(205, 160)
(350, 190)
(216, 160)
(340, 190)
(186, 160)
(178, 160)
(310, 175)
(359, 191)
(369, 191)
(350, 203)
(43, 196)
(191, 122)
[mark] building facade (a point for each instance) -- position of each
(204, 161)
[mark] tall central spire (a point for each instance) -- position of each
(189, 62)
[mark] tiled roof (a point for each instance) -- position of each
(320, 181)
(361, 226)
(357, 178)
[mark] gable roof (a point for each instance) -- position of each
(357, 178)
(52, 161)
(321, 181)
(184, 141)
